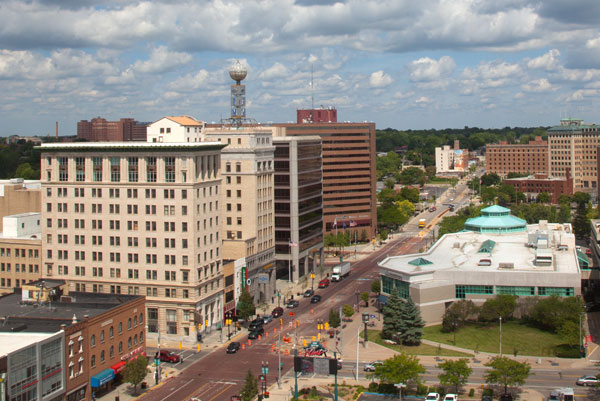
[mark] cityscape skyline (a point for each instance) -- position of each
(399, 64)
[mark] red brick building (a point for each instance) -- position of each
(504, 158)
(322, 115)
(100, 130)
(531, 186)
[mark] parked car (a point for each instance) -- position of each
(308, 293)
(554, 396)
(278, 311)
(370, 367)
(233, 347)
(451, 397)
(255, 333)
(432, 397)
(315, 299)
(256, 323)
(506, 397)
(169, 356)
(324, 283)
(267, 319)
(587, 381)
(487, 398)
(292, 304)
(433, 209)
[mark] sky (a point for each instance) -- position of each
(402, 64)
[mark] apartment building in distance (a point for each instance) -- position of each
(19, 196)
(20, 251)
(298, 206)
(504, 158)
(176, 129)
(572, 145)
(247, 208)
(451, 161)
(101, 130)
(349, 193)
(137, 218)
(533, 185)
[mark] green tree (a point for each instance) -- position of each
(456, 373)
(581, 221)
(490, 179)
(27, 172)
(488, 194)
(389, 183)
(458, 314)
(507, 372)
(383, 234)
(543, 197)
(410, 194)
(392, 313)
(411, 175)
(364, 296)
(334, 318)
(250, 389)
(245, 305)
(135, 371)
(348, 310)
(550, 313)
(411, 324)
(376, 286)
(401, 368)
(569, 332)
(500, 306)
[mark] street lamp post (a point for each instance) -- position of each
(581, 351)
(500, 335)
(357, 293)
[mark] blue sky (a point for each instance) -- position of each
(403, 64)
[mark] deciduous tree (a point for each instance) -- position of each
(456, 373)
(334, 318)
(401, 368)
(507, 372)
(135, 371)
(364, 296)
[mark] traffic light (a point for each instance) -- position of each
(326, 326)
(267, 394)
(280, 322)
(297, 323)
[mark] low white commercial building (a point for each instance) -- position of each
(496, 254)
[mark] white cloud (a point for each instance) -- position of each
(379, 79)
(277, 70)
(582, 94)
(548, 61)
(427, 69)
(161, 60)
(538, 85)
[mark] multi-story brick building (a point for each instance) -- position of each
(349, 193)
(298, 206)
(247, 209)
(20, 251)
(504, 158)
(99, 334)
(533, 185)
(100, 130)
(137, 218)
(572, 145)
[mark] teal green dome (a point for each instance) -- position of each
(495, 219)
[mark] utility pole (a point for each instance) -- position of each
(279, 359)
(341, 334)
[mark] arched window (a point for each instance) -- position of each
(93, 361)
(135, 339)
(120, 346)
(112, 352)
(129, 324)
(111, 332)
(141, 337)
(120, 328)
(93, 340)
(102, 336)
(135, 321)
(101, 356)
(129, 343)
(141, 318)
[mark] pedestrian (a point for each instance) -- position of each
(272, 300)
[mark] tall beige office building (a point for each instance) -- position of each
(137, 218)
(247, 207)
(572, 145)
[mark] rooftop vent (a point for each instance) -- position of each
(506, 265)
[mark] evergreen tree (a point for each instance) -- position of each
(412, 324)
(334, 318)
(250, 389)
(392, 315)
(245, 305)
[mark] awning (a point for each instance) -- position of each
(382, 299)
(102, 378)
(118, 367)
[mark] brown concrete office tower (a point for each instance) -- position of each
(247, 205)
(137, 218)
(298, 206)
(349, 197)
(572, 145)
(504, 158)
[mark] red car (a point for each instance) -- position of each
(278, 311)
(169, 356)
(324, 283)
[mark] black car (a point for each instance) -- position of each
(256, 324)
(315, 299)
(506, 397)
(292, 304)
(233, 347)
(255, 333)
(278, 311)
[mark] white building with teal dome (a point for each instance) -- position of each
(497, 253)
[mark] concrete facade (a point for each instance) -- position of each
(138, 218)
(540, 261)
(298, 206)
(451, 160)
(20, 251)
(572, 145)
(19, 196)
(176, 129)
(247, 208)
(349, 189)
(504, 158)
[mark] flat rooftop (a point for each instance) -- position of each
(10, 342)
(460, 251)
(47, 317)
(116, 146)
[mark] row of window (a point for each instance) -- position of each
(462, 290)
(20, 268)
(132, 193)
(150, 291)
(20, 252)
(131, 342)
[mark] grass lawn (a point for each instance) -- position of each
(423, 349)
(517, 337)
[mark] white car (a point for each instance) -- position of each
(433, 397)
(451, 397)
(370, 367)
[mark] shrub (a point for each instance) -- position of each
(421, 389)
(488, 391)
(471, 392)
(373, 387)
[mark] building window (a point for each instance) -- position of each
(521, 291)
(132, 167)
(169, 169)
(560, 291)
(463, 290)
(115, 169)
(79, 169)
(97, 162)
(63, 169)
